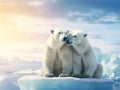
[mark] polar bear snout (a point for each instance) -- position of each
(64, 39)
(68, 42)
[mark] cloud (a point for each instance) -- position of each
(96, 17)
(28, 72)
(97, 36)
(20, 63)
(91, 11)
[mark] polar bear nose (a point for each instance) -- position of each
(68, 42)
(64, 39)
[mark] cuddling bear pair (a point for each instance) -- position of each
(70, 54)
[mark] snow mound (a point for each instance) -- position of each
(63, 83)
(111, 68)
(110, 62)
(7, 84)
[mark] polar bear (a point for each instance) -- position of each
(58, 56)
(85, 63)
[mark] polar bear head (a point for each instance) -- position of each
(75, 37)
(59, 35)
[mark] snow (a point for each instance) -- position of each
(112, 67)
(28, 72)
(63, 83)
(7, 84)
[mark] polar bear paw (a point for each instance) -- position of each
(85, 76)
(49, 75)
(76, 75)
(63, 75)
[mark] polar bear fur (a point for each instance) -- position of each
(84, 59)
(58, 56)
(98, 72)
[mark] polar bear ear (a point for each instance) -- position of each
(67, 31)
(85, 34)
(52, 31)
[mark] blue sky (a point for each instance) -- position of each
(86, 10)
(92, 11)
(25, 24)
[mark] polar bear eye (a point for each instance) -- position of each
(75, 36)
(60, 33)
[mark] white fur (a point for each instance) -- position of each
(77, 64)
(57, 58)
(98, 72)
(86, 59)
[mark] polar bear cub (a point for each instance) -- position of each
(58, 56)
(87, 60)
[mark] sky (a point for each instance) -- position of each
(25, 24)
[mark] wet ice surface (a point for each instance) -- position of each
(63, 83)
